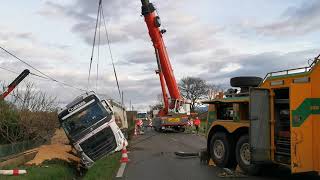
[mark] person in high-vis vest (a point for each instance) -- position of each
(196, 123)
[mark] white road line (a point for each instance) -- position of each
(121, 170)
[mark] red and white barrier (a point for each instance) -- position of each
(124, 158)
(14, 172)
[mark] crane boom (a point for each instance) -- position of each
(165, 69)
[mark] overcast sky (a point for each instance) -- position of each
(211, 39)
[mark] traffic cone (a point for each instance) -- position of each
(14, 172)
(124, 158)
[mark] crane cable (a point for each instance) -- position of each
(99, 40)
(111, 56)
(94, 41)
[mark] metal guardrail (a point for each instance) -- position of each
(292, 71)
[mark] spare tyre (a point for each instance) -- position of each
(245, 81)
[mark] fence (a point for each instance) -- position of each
(15, 148)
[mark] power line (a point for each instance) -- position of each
(33, 74)
(45, 76)
(24, 62)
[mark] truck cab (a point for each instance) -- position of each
(91, 128)
(276, 121)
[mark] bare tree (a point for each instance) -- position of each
(194, 89)
(213, 91)
(33, 100)
(30, 114)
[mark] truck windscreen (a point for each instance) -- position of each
(85, 118)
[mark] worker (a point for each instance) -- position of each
(196, 123)
(139, 124)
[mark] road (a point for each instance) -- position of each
(152, 158)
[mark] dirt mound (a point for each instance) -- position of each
(59, 137)
(58, 149)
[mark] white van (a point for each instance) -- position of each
(91, 128)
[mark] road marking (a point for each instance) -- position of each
(121, 170)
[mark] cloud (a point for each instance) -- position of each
(255, 65)
(297, 20)
(195, 48)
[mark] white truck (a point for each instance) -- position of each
(91, 128)
(120, 115)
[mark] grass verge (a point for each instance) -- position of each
(50, 170)
(104, 169)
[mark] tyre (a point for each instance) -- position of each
(249, 81)
(222, 151)
(243, 156)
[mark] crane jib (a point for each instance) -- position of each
(153, 24)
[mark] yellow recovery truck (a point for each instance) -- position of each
(275, 120)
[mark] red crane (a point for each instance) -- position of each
(175, 111)
(165, 71)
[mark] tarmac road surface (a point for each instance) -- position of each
(152, 158)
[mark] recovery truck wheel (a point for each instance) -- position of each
(222, 151)
(243, 156)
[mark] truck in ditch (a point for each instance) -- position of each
(120, 115)
(91, 128)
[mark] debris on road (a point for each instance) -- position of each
(228, 173)
(187, 154)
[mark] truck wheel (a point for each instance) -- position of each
(221, 150)
(249, 81)
(243, 156)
